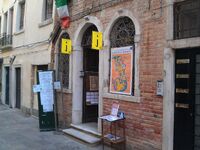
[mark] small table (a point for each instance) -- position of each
(116, 134)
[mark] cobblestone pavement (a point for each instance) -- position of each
(20, 132)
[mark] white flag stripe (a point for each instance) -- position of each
(63, 11)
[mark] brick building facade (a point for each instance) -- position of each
(149, 121)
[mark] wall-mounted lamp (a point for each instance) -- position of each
(12, 58)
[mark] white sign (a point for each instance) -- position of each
(36, 88)
(46, 93)
(159, 91)
(57, 85)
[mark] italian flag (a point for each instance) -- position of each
(63, 12)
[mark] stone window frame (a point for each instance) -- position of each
(21, 15)
(44, 20)
(18, 29)
(106, 94)
(48, 10)
(5, 22)
(117, 41)
(67, 89)
(188, 7)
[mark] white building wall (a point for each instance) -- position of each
(30, 47)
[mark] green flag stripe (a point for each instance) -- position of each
(60, 3)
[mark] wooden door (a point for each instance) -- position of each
(90, 85)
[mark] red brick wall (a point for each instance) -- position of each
(64, 109)
(144, 119)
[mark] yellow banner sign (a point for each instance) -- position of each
(97, 40)
(66, 46)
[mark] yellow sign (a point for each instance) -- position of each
(66, 46)
(97, 40)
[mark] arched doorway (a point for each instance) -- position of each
(90, 77)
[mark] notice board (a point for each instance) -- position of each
(46, 100)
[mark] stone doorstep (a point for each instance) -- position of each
(86, 130)
(82, 136)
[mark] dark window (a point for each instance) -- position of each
(87, 37)
(121, 35)
(63, 64)
(187, 19)
(22, 9)
(5, 23)
(48, 9)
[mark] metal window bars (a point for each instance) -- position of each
(5, 40)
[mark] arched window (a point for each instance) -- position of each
(87, 37)
(122, 56)
(122, 33)
(63, 64)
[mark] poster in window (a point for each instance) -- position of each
(121, 70)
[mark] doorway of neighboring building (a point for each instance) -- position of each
(90, 78)
(7, 89)
(18, 87)
(187, 100)
(42, 67)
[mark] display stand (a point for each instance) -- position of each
(114, 135)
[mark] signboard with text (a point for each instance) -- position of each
(66, 46)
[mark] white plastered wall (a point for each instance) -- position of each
(30, 46)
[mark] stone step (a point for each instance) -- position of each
(86, 129)
(83, 136)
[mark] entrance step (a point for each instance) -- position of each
(90, 128)
(82, 136)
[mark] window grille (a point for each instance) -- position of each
(63, 64)
(187, 19)
(87, 37)
(121, 35)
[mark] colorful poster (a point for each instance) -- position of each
(121, 70)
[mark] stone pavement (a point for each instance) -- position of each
(20, 132)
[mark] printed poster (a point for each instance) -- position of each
(121, 70)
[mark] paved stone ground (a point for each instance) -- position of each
(20, 132)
